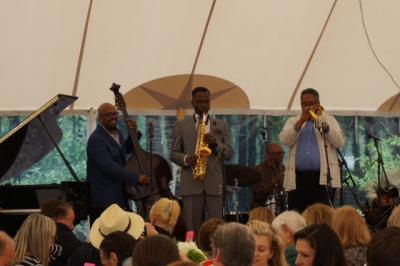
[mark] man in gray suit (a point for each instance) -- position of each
(201, 199)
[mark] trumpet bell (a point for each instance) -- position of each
(316, 111)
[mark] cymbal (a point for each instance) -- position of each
(246, 176)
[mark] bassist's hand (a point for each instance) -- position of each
(132, 124)
(143, 179)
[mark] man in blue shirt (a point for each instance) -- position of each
(311, 145)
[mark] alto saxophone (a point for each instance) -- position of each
(202, 152)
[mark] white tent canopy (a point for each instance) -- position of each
(262, 46)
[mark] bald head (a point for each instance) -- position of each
(7, 249)
(274, 152)
(108, 116)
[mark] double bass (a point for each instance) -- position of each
(143, 162)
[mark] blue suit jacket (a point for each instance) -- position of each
(106, 174)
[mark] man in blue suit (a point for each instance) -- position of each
(106, 158)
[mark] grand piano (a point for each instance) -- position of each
(20, 149)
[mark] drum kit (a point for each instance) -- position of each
(238, 176)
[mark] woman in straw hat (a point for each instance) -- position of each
(115, 219)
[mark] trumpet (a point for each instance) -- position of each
(316, 112)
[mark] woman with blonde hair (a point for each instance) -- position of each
(35, 241)
(269, 247)
(164, 215)
(262, 214)
(318, 213)
(353, 234)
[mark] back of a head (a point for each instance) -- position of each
(384, 248)
(55, 208)
(318, 213)
(326, 244)
(34, 236)
(206, 231)
(155, 250)
(7, 248)
(262, 214)
(294, 221)
(236, 244)
(166, 211)
(120, 243)
(350, 227)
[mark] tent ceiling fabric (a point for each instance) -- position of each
(261, 46)
(165, 93)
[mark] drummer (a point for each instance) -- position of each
(272, 172)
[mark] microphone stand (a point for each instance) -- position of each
(347, 181)
(380, 163)
(328, 169)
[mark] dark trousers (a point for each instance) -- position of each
(308, 191)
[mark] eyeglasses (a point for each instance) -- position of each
(110, 114)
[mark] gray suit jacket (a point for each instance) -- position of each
(184, 143)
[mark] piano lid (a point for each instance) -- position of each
(29, 142)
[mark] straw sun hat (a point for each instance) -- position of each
(115, 219)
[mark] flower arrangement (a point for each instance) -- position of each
(191, 251)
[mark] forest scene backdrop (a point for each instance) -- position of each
(249, 132)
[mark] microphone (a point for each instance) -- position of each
(264, 134)
(151, 130)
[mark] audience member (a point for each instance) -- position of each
(262, 214)
(269, 249)
(86, 255)
(384, 248)
(353, 233)
(206, 231)
(164, 215)
(115, 219)
(116, 247)
(318, 213)
(63, 214)
(35, 241)
(7, 249)
(111, 220)
(233, 245)
(318, 245)
(155, 250)
(394, 218)
(286, 225)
